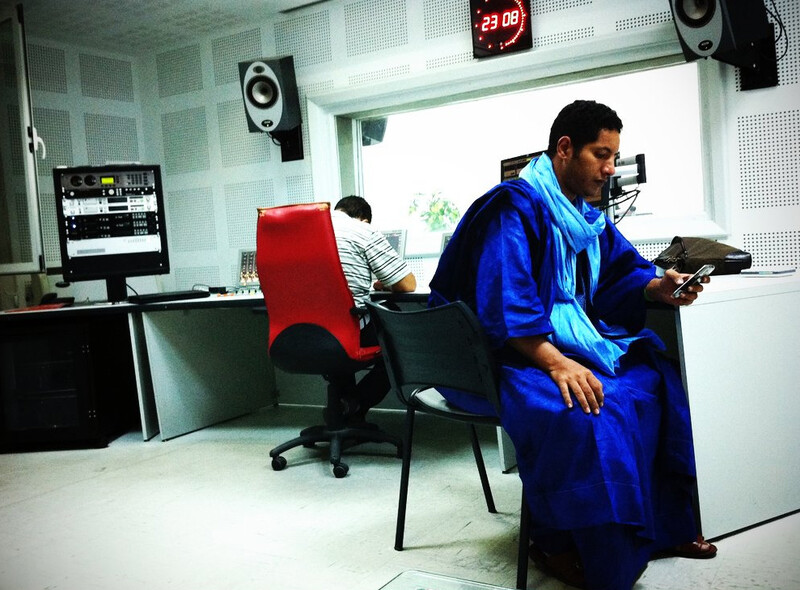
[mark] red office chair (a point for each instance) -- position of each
(313, 321)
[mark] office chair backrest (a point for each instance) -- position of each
(312, 327)
(438, 347)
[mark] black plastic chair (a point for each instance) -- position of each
(442, 347)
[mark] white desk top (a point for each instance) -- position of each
(730, 287)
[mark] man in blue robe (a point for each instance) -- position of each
(599, 420)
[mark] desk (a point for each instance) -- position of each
(200, 362)
(196, 362)
(740, 366)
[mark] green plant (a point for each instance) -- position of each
(438, 213)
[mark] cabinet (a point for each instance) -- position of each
(65, 382)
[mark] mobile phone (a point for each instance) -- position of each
(704, 270)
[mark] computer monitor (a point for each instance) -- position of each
(397, 240)
(111, 224)
(446, 239)
(511, 167)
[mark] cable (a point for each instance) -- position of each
(781, 28)
(624, 197)
(630, 207)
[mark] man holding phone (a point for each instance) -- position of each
(599, 420)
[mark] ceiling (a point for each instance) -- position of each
(134, 27)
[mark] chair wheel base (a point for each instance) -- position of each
(278, 463)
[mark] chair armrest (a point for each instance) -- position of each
(359, 312)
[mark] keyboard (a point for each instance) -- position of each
(167, 296)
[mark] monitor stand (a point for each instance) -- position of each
(117, 289)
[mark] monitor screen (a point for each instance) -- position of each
(111, 224)
(511, 167)
(446, 239)
(396, 239)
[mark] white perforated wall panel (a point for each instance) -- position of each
(111, 139)
(771, 249)
(179, 71)
(103, 77)
(300, 189)
(445, 17)
(185, 141)
(448, 60)
(373, 25)
(769, 159)
(644, 20)
(47, 69)
(307, 38)
(545, 6)
(241, 203)
(227, 52)
(649, 250)
(186, 277)
(191, 220)
(563, 37)
(237, 146)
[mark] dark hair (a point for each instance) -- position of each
(582, 121)
(355, 207)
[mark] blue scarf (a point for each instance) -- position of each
(573, 331)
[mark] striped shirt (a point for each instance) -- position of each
(365, 251)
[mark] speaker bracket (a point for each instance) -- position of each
(764, 73)
(291, 142)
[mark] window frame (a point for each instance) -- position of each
(30, 143)
(333, 118)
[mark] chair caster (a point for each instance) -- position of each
(340, 470)
(278, 463)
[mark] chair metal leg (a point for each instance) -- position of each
(524, 543)
(401, 506)
(476, 450)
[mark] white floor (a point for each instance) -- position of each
(206, 511)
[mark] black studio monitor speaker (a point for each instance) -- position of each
(736, 32)
(270, 95)
(271, 102)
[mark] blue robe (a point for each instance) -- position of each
(617, 487)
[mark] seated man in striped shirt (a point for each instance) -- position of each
(364, 252)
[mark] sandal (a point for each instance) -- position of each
(565, 567)
(698, 549)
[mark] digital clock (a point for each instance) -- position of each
(500, 26)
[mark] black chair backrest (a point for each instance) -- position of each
(437, 347)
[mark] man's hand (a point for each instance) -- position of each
(661, 289)
(575, 379)
(571, 377)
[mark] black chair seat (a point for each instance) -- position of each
(432, 402)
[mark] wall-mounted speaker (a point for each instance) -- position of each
(373, 130)
(270, 94)
(736, 32)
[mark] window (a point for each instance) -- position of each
(447, 156)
